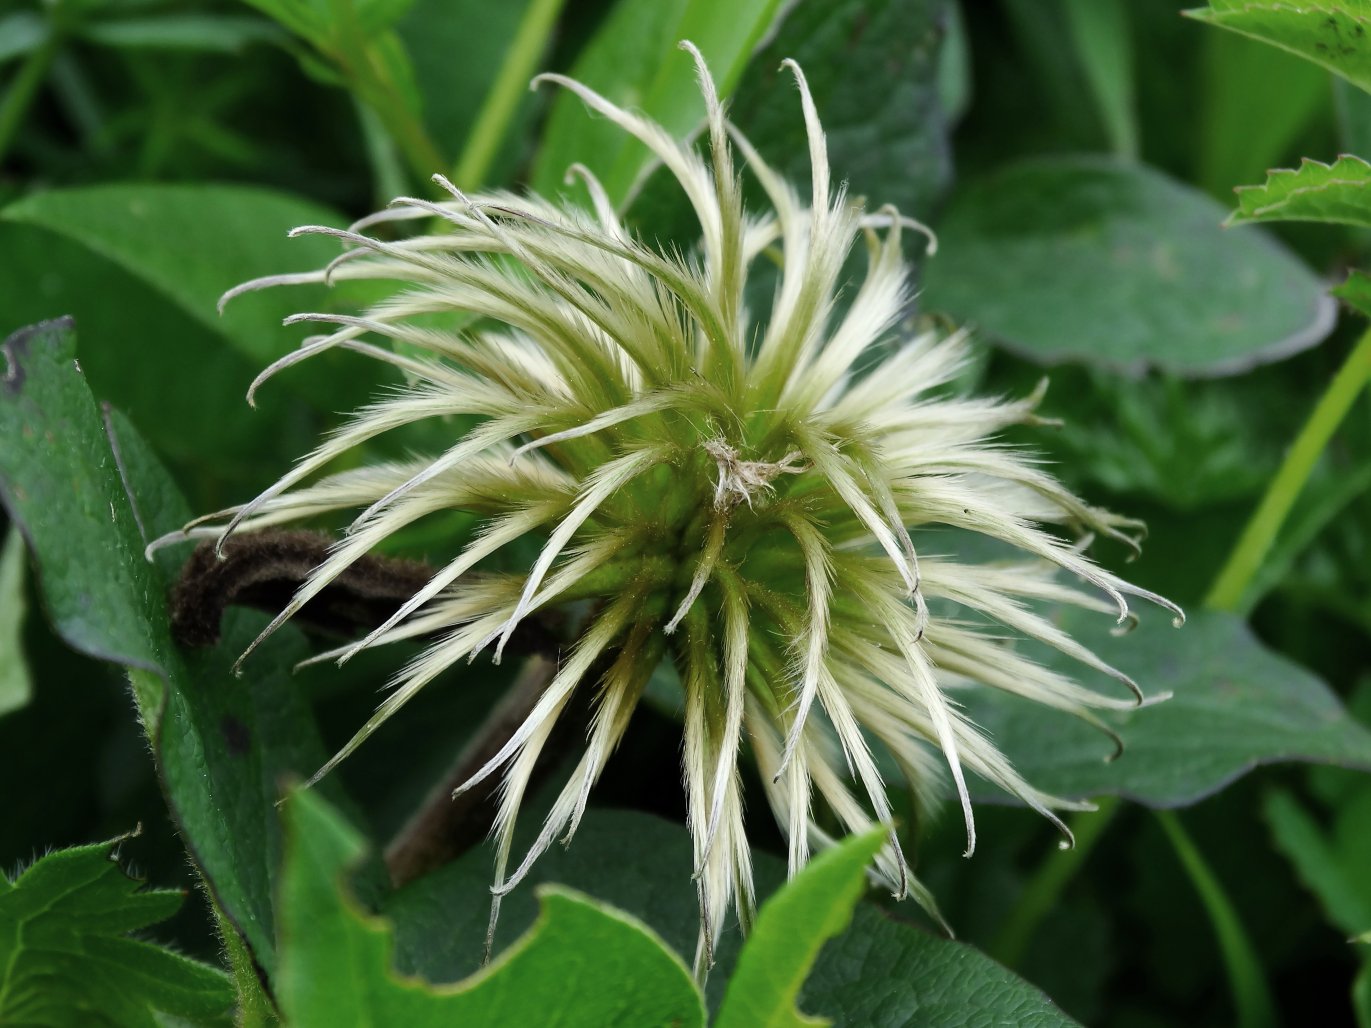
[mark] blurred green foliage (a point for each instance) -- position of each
(153, 153)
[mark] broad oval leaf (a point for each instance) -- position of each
(881, 970)
(142, 268)
(194, 242)
(1088, 260)
(1235, 705)
(581, 963)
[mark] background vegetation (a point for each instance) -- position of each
(1076, 156)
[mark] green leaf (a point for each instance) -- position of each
(200, 33)
(954, 67)
(634, 61)
(21, 33)
(586, 962)
(882, 970)
(1083, 259)
(1339, 193)
(887, 137)
(886, 134)
(65, 958)
(1334, 869)
(1331, 33)
(192, 243)
(86, 508)
(376, 15)
(885, 971)
(16, 687)
(1352, 108)
(1236, 705)
(1100, 32)
(791, 927)
(1356, 292)
(142, 267)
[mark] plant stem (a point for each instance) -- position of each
(24, 88)
(1045, 888)
(492, 123)
(1253, 1000)
(1260, 533)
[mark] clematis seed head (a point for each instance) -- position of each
(746, 495)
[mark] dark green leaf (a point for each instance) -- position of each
(143, 267)
(1082, 259)
(586, 962)
(954, 67)
(192, 243)
(1353, 109)
(1331, 33)
(16, 686)
(1339, 192)
(880, 971)
(887, 138)
(1235, 705)
(65, 958)
(634, 61)
(376, 15)
(86, 508)
(142, 352)
(791, 927)
(1190, 444)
